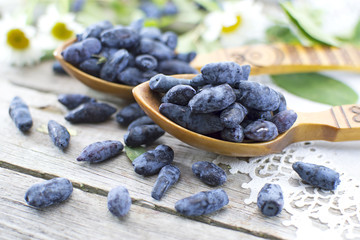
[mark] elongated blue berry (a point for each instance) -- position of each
(168, 176)
(143, 134)
(58, 134)
(258, 96)
(49, 192)
(222, 72)
(203, 123)
(174, 66)
(151, 162)
(235, 134)
(270, 199)
(71, 101)
(202, 203)
(317, 175)
(91, 112)
(212, 99)
(119, 201)
(20, 114)
(129, 113)
(261, 131)
(284, 120)
(100, 151)
(180, 95)
(162, 83)
(209, 173)
(233, 115)
(144, 120)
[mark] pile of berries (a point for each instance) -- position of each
(127, 55)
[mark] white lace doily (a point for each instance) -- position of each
(314, 212)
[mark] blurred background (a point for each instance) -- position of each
(31, 29)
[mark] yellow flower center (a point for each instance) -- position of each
(232, 28)
(17, 39)
(61, 32)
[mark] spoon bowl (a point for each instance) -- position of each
(341, 123)
(119, 90)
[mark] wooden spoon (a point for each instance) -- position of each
(264, 59)
(341, 123)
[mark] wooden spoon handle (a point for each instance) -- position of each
(340, 123)
(282, 58)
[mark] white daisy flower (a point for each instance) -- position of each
(18, 45)
(56, 28)
(334, 17)
(239, 23)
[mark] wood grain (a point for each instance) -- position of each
(85, 216)
(35, 154)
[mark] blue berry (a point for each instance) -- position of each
(254, 115)
(129, 113)
(49, 192)
(202, 203)
(58, 134)
(168, 176)
(222, 72)
(146, 46)
(131, 76)
(119, 201)
(100, 151)
(137, 25)
(317, 175)
(170, 39)
(261, 131)
(71, 101)
(58, 69)
(283, 105)
(20, 114)
(149, 74)
(150, 10)
(80, 51)
(91, 112)
(270, 199)
(180, 95)
(161, 52)
(150, 32)
(91, 66)
(143, 134)
(212, 99)
(284, 120)
(107, 52)
(186, 57)
(144, 120)
(233, 115)
(162, 83)
(96, 29)
(235, 134)
(116, 64)
(258, 96)
(151, 162)
(171, 67)
(198, 81)
(146, 62)
(209, 173)
(203, 123)
(120, 37)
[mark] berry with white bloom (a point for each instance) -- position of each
(239, 22)
(56, 28)
(18, 45)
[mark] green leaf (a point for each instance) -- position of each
(133, 153)
(317, 87)
(278, 33)
(306, 25)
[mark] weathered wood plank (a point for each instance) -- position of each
(35, 151)
(85, 216)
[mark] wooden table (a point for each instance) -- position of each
(26, 159)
